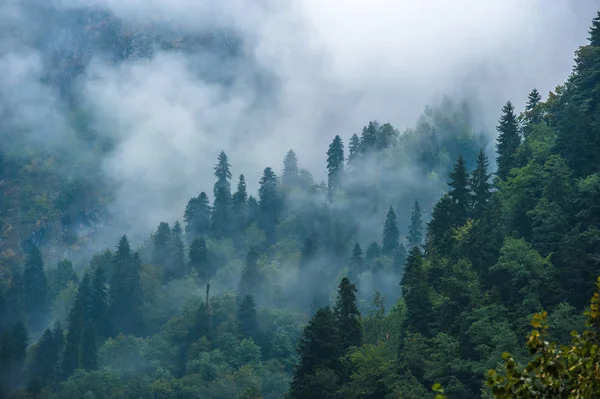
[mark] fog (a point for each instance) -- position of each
(302, 72)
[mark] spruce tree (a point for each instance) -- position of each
(440, 225)
(319, 350)
(480, 186)
(239, 207)
(335, 164)
(508, 141)
(198, 254)
(36, 290)
(76, 321)
(247, 320)
(415, 292)
(45, 359)
(356, 260)
(99, 304)
(220, 221)
(594, 31)
(197, 217)
(290, 175)
(250, 275)
(459, 193)
(89, 351)
(386, 136)
(391, 235)
(161, 253)
(373, 251)
(368, 139)
(269, 204)
(415, 230)
(354, 149)
(176, 248)
(223, 175)
(533, 113)
(347, 315)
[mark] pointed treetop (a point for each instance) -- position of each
(354, 149)
(533, 99)
(223, 174)
(595, 31)
(391, 235)
(415, 230)
(290, 167)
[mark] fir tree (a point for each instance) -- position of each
(508, 141)
(335, 164)
(221, 216)
(247, 321)
(354, 150)
(459, 193)
(480, 186)
(46, 357)
(176, 264)
(347, 315)
(356, 260)
(391, 235)
(36, 290)
(386, 136)
(197, 216)
(415, 292)
(594, 31)
(161, 239)
(253, 211)
(438, 228)
(76, 320)
(319, 350)
(269, 204)
(368, 139)
(223, 175)
(99, 304)
(290, 175)
(239, 206)
(415, 230)
(198, 254)
(250, 276)
(373, 251)
(532, 110)
(89, 351)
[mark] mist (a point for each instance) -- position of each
(302, 72)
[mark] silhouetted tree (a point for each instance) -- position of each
(335, 164)
(459, 193)
(269, 204)
(199, 261)
(250, 276)
(347, 315)
(480, 186)
(391, 235)
(415, 230)
(197, 217)
(36, 290)
(508, 141)
(247, 320)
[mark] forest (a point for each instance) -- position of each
(415, 270)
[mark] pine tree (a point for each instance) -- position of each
(269, 204)
(595, 31)
(368, 139)
(459, 193)
(415, 230)
(239, 206)
(76, 320)
(480, 186)
(177, 257)
(508, 141)
(198, 254)
(247, 320)
(290, 175)
(99, 304)
(356, 261)
(161, 252)
(391, 235)
(347, 315)
(223, 175)
(354, 149)
(308, 254)
(220, 221)
(532, 110)
(415, 292)
(250, 275)
(36, 290)
(253, 211)
(46, 357)
(335, 164)
(319, 350)
(19, 340)
(439, 227)
(386, 136)
(197, 217)
(89, 351)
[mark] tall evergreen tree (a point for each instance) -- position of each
(319, 350)
(594, 31)
(247, 320)
(60, 277)
(176, 248)
(253, 211)
(347, 315)
(480, 186)
(356, 260)
(368, 139)
(220, 221)
(46, 357)
(99, 304)
(399, 259)
(269, 204)
(335, 164)
(89, 351)
(19, 340)
(250, 275)
(354, 150)
(197, 216)
(416, 293)
(459, 193)
(36, 290)
(508, 141)
(391, 235)
(223, 175)
(415, 230)
(291, 173)
(239, 207)
(373, 251)
(161, 253)
(532, 109)
(76, 320)
(439, 227)
(386, 136)
(198, 254)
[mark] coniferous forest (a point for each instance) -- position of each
(478, 279)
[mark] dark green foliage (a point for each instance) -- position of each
(291, 174)
(250, 275)
(89, 350)
(391, 235)
(415, 230)
(438, 228)
(356, 260)
(197, 217)
(508, 141)
(460, 194)
(247, 321)
(335, 164)
(161, 240)
(368, 138)
(239, 204)
(176, 265)
(416, 293)
(373, 251)
(221, 215)
(354, 150)
(60, 277)
(595, 31)
(19, 340)
(99, 304)
(46, 357)
(79, 316)
(480, 186)
(223, 175)
(253, 210)
(199, 261)
(269, 204)
(35, 288)
(347, 315)
(533, 111)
